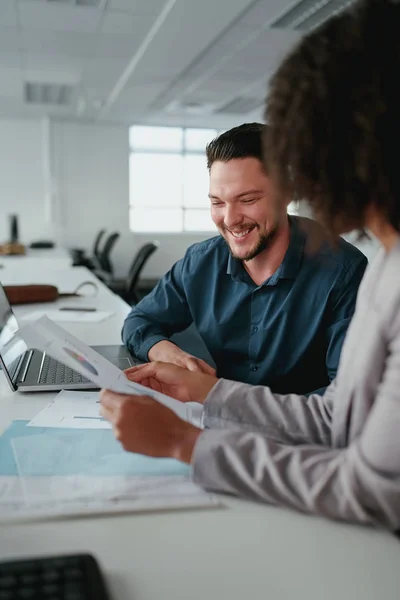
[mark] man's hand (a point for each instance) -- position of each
(173, 381)
(147, 427)
(168, 352)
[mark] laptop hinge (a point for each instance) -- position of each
(41, 367)
(22, 376)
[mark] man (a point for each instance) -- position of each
(271, 308)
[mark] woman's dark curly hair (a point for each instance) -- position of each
(334, 114)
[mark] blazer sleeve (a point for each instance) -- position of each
(289, 419)
(281, 461)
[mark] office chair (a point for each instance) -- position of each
(126, 288)
(96, 245)
(81, 259)
(104, 254)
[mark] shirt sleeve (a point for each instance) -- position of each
(341, 313)
(163, 312)
(278, 460)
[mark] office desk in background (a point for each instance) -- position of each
(243, 551)
(49, 258)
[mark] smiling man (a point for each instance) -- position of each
(271, 300)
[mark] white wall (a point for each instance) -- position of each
(91, 180)
(22, 178)
(90, 189)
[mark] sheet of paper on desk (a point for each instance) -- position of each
(47, 451)
(60, 472)
(49, 337)
(68, 316)
(41, 498)
(72, 410)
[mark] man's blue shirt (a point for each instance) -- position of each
(286, 333)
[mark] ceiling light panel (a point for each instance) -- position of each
(308, 14)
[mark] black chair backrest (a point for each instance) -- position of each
(96, 246)
(139, 261)
(104, 257)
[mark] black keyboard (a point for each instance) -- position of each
(54, 371)
(74, 577)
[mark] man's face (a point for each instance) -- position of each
(245, 206)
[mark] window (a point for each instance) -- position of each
(169, 179)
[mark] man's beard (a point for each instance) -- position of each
(265, 241)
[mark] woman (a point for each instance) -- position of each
(333, 109)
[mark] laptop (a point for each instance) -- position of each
(30, 370)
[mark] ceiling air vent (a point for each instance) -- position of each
(240, 106)
(93, 3)
(47, 93)
(178, 107)
(308, 14)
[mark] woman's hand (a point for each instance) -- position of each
(145, 426)
(174, 381)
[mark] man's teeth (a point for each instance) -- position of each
(239, 234)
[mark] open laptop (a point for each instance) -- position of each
(29, 370)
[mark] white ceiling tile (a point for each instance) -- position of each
(120, 23)
(103, 71)
(58, 17)
(11, 106)
(258, 57)
(11, 82)
(10, 59)
(115, 46)
(68, 43)
(51, 68)
(136, 100)
(137, 6)
(8, 14)
(215, 90)
(9, 38)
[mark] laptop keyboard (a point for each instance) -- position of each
(55, 372)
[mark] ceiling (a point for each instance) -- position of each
(176, 62)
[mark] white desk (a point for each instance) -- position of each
(243, 551)
(50, 258)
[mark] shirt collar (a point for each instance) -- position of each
(290, 265)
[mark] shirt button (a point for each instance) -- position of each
(255, 329)
(254, 368)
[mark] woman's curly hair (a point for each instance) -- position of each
(334, 114)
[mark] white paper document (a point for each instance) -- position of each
(49, 337)
(26, 498)
(69, 316)
(72, 410)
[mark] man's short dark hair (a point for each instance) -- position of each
(244, 141)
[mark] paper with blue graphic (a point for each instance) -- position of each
(36, 451)
(49, 472)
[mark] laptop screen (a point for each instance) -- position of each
(11, 347)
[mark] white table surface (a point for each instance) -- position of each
(242, 551)
(52, 258)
